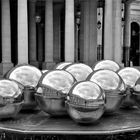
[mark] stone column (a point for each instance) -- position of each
(32, 34)
(127, 35)
(57, 32)
(108, 34)
(40, 50)
(69, 30)
(92, 32)
(48, 64)
(84, 30)
(6, 37)
(22, 32)
(100, 34)
(117, 31)
(88, 32)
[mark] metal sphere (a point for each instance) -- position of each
(79, 70)
(113, 86)
(52, 91)
(11, 98)
(28, 76)
(86, 102)
(106, 64)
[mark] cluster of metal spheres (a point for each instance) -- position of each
(83, 92)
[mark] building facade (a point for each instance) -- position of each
(135, 30)
(45, 32)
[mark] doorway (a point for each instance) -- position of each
(135, 44)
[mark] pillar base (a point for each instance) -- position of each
(48, 65)
(40, 65)
(5, 67)
(89, 63)
(34, 63)
(121, 64)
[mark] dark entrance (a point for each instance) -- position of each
(135, 49)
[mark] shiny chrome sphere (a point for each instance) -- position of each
(130, 76)
(28, 76)
(62, 65)
(106, 64)
(113, 102)
(43, 71)
(11, 98)
(52, 91)
(53, 106)
(113, 86)
(79, 70)
(85, 115)
(85, 102)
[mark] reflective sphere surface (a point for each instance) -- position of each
(106, 64)
(79, 70)
(59, 80)
(9, 88)
(43, 71)
(10, 110)
(52, 91)
(129, 75)
(11, 98)
(85, 103)
(62, 65)
(87, 90)
(137, 86)
(113, 86)
(107, 79)
(85, 115)
(122, 87)
(26, 75)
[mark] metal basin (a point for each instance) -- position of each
(10, 110)
(52, 91)
(28, 76)
(113, 86)
(85, 102)
(79, 70)
(106, 64)
(84, 115)
(113, 102)
(53, 106)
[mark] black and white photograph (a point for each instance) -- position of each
(69, 69)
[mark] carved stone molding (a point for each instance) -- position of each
(135, 19)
